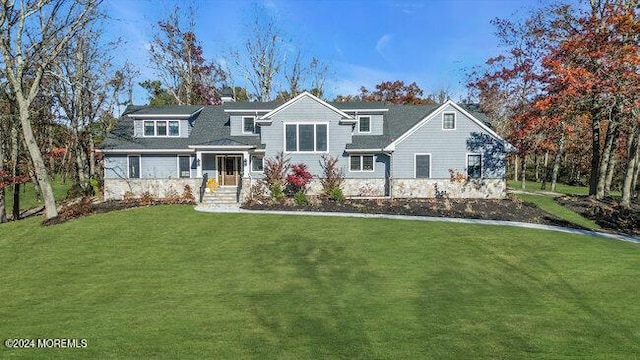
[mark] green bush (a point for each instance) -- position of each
(276, 193)
(301, 198)
(336, 195)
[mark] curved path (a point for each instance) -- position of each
(430, 218)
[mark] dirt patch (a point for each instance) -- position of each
(607, 213)
(505, 209)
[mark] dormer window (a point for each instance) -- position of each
(364, 124)
(161, 128)
(248, 125)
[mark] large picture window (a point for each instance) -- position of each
(306, 138)
(474, 166)
(361, 163)
(423, 166)
(184, 164)
(134, 166)
(161, 128)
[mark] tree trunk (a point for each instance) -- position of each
(611, 170)
(595, 154)
(15, 170)
(545, 170)
(515, 168)
(92, 156)
(633, 159)
(524, 172)
(536, 166)
(556, 164)
(39, 167)
(605, 159)
(3, 210)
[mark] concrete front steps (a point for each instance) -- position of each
(224, 198)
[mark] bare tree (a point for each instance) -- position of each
(33, 36)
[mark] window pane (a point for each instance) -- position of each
(174, 128)
(291, 137)
(161, 128)
(134, 167)
(257, 163)
(449, 121)
(355, 163)
(248, 124)
(149, 128)
(256, 128)
(321, 137)
(474, 166)
(306, 137)
(365, 124)
(367, 163)
(422, 166)
(184, 162)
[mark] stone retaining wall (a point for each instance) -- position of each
(114, 189)
(431, 188)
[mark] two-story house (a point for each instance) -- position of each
(404, 151)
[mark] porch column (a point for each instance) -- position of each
(199, 164)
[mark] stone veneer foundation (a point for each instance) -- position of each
(114, 189)
(426, 188)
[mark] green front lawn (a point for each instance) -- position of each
(549, 205)
(169, 282)
(28, 195)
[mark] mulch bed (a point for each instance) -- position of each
(506, 209)
(605, 213)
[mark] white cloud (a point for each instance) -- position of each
(383, 44)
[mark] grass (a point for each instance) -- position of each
(532, 186)
(168, 282)
(28, 196)
(549, 205)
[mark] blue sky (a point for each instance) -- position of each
(363, 42)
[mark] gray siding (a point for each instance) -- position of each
(236, 127)
(306, 110)
(376, 124)
(115, 166)
(380, 166)
(449, 149)
(209, 165)
(185, 128)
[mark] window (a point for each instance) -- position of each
(364, 124)
(257, 163)
(306, 138)
(449, 121)
(149, 128)
(161, 128)
(361, 163)
(423, 166)
(248, 125)
(174, 128)
(474, 166)
(184, 165)
(134, 167)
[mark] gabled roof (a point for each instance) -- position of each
(173, 111)
(305, 94)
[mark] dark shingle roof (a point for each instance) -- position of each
(166, 110)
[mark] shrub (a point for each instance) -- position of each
(187, 195)
(146, 199)
(300, 198)
(332, 177)
(336, 195)
(298, 180)
(275, 171)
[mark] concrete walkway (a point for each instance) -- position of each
(430, 218)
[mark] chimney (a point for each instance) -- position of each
(227, 95)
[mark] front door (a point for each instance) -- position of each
(228, 170)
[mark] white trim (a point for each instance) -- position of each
(353, 151)
(315, 137)
(254, 125)
(178, 160)
(221, 147)
(365, 110)
(361, 156)
(129, 166)
(247, 110)
(240, 163)
(415, 169)
(360, 123)
(454, 120)
(466, 165)
(295, 99)
(145, 151)
(251, 163)
(416, 127)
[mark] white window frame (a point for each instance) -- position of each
(155, 128)
(415, 168)
(178, 160)
(129, 166)
(253, 118)
(467, 165)
(315, 137)
(455, 120)
(253, 157)
(361, 156)
(359, 121)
